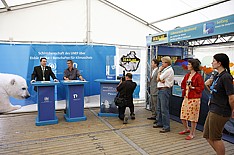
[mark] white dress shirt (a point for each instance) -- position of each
(43, 72)
(167, 75)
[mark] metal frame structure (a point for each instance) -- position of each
(108, 3)
(219, 39)
(6, 5)
(216, 39)
(189, 44)
(150, 56)
(88, 2)
(26, 5)
(88, 39)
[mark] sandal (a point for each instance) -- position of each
(189, 137)
(184, 132)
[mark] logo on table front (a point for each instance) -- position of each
(75, 96)
(46, 99)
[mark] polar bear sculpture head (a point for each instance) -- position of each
(106, 104)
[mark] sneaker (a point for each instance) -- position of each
(164, 130)
(133, 116)
(157, 126)
(125, 120)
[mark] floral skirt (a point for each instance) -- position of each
(190, 109)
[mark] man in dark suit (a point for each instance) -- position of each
(42, 73)
(126, 89)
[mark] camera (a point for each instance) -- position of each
(189, 82)
(121, 77)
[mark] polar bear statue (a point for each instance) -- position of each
(12, 86)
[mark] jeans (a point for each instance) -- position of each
(163, 115)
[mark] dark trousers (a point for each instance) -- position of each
(122, 111)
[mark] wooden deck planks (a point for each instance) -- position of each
(19, 135)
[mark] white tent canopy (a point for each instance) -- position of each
(156, 10)
(123, 22)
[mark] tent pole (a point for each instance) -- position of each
(88, 21)
(6, 5)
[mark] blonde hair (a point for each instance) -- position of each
(167, 59)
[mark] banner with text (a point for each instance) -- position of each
(19, 61)
(214, 27)
(209, 28)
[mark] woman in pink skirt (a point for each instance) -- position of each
(192, 87)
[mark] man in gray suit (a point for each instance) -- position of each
(153, 88)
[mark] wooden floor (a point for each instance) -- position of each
(97, 135)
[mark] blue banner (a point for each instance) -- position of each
(210, 28)
(20, 59)
(217, 26)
